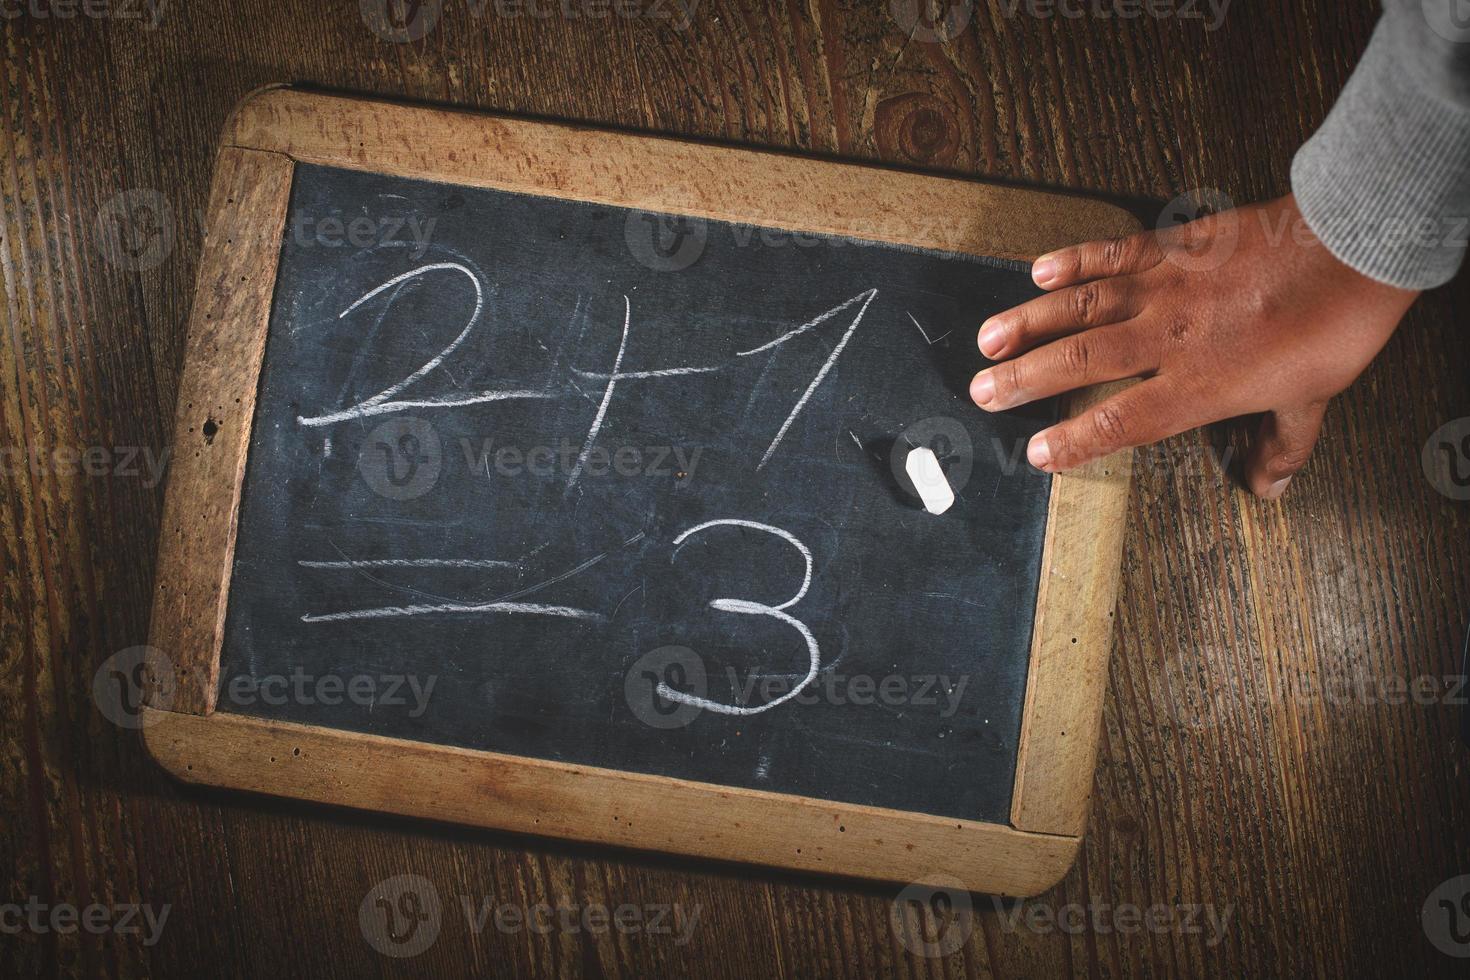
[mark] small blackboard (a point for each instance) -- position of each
(585, 457)
(536, 475)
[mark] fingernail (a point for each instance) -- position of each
(1275, 490)
(992, 338)
(982, 389)
(1044, 271)
(1039, 453)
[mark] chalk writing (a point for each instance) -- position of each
(385, 401)
(388, 400)
(745, 607)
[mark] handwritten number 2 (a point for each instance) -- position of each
(387, 400)
(745, 607)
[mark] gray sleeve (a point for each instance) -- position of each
(1385, 183)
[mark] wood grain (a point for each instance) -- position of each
(212, 421)
(676, 176)
(604, 806)
(1071, 639)
(1225, 778)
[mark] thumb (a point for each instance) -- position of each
(1283, 444)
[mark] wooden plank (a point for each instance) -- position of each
(1071, 639)
(581, 802)
(534, 796)
(662, 174)
(216, 405)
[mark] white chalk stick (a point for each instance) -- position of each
(927, 475)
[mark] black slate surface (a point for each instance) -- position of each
(470, 569)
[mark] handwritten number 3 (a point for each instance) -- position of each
(745, 607)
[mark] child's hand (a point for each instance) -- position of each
(1237, 313)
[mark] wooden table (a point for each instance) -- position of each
(1265, 757)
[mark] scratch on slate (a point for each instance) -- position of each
(624, 599)
(923, 333)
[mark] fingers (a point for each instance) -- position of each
(1073, 362)
(1283, 444)
(1097, 260)
(1091, 304)
(1147, 412)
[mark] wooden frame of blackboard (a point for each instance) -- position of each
(274, 129)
